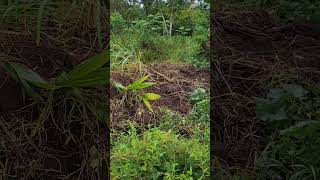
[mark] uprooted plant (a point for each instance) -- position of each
(134, 89)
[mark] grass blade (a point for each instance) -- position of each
(39, 21)
(97, 78)
(151, 96)
(89, 66)
(147, 103)
(26, 74)
(98, 21)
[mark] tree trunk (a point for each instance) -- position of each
(171, 24)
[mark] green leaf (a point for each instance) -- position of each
(270, 110)
(295, 90)
(88, 66)
(302, 129)
(147, 103)
(7, 11)
(141, 86)
(96, 78)
(39, 21)
(98, 22)
(138, 82)
(10, 70)
(24, 73)
(151, 96)
(119, 86)
(275, 94)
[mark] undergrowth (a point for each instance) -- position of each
(292, 119)
(285, 10)
(159, 155)
(176, 148)
(135, 41)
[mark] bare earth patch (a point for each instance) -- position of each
(173, 82)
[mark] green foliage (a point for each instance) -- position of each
(147, 39)
(189, 20)
(292, 113)
(153, 23)
(117, 22)
(178, 147)
(159, 154)
(276, 107)
(128, 11)
(198, 95)
(285, 9)
(124, 50)
(196, 123)
(185, 19)
(294, 154)
(201, 105)
(295, 9)
(136, 86)
(149, 47)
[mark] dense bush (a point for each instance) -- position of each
(117, 22)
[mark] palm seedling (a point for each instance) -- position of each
(135, 88)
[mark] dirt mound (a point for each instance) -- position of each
(251, 54)
(173, 82)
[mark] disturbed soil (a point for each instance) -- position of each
(174, 83)
(51, 148)
(47, 60)
(251, 54)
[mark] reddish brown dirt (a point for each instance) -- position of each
(174, 85)
(251, 54)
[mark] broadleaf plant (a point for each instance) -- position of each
(139, 85)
